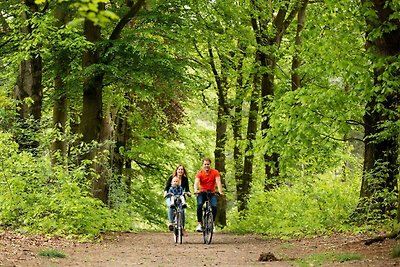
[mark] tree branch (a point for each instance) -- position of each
(343, 139)
(125, 19)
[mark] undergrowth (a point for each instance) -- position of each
(38, 198)
(321, 259)
(308, 206)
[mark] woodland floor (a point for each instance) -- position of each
(158, 249)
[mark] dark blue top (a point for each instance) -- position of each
(176, 190)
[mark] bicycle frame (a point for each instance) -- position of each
(178, 218)
(208, 219)
(178, 221)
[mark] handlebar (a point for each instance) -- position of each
(208, 192)
(184, 193)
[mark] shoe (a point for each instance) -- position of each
(199, 228)
(171, 227)
(184, 206)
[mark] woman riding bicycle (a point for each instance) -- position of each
(180, 173)
(206, 178)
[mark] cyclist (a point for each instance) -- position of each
(180, 173)
(206, 178)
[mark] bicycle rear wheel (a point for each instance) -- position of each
(208, 227)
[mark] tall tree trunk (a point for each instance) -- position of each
(243, 186)
(296, 62)
(219, 154)
(263, 27)
(92, 112)
(121, 141)
(220, 140)
(236, 125)
(59, 145)
(381, 165)
(29, 85)
(121, 164)
(94, 127)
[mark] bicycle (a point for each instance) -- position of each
(208, 219)
(178, 217)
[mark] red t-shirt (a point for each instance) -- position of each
(207, 180)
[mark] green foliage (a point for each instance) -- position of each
(396, 251)
(157, 77)
(38, 199)
(305, 129)
(305, 206)
(51, 253)
(321, 259)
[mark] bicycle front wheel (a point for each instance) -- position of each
(208, 227)
(178, 230)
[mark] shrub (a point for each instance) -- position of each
(307, 206)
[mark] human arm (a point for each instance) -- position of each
(196, 185)
(219, 184)
(167, 186)
(185, 184)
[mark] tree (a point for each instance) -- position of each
(60, 109)
(94, 123)
(28, 88)
(296, 61)
(381, 118)
(270, 23)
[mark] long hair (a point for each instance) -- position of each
(176, 170)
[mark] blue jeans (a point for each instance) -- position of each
(171, 212)
(201, 199)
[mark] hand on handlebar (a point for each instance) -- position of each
(168, 195)
(197, 192)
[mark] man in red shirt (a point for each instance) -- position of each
(206, 178)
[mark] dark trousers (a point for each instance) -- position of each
(201, 199)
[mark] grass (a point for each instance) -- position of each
(322, 258)
(51, 253)
(396, 251)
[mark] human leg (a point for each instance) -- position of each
(214, 205)
(199, 208)
(183, 201)
(170, 214)
(172, 201)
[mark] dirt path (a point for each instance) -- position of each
(158, 249)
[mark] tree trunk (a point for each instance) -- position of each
(59, 145)
(220, 140)
(121, 141)
(29, 85)
(236, 127)
(296, 62)
(279, 23)
(243, 186)
(92, 112)
(121, 164)
(381, 165)
(95, 128)
(219, 154)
